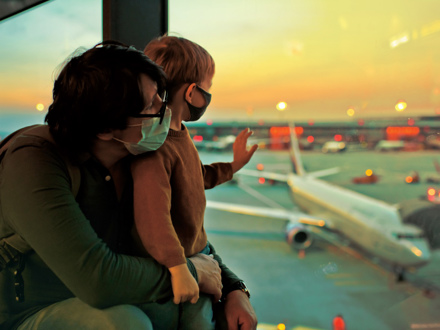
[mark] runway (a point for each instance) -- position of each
(331, 278)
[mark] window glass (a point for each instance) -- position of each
(33, 45)
(361, 82)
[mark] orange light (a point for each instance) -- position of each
(284, 131)
(338, 323)
(431, 191)
(409, 179)
(281, 326)
(198, 138)
(368, 172)
(310, 139)
(338, 137)
(260, 167)
(261, 180)
(403, 130)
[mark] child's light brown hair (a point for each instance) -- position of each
(182, 60)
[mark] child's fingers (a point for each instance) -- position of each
(253, 149)
(194, 299)
(177, 299)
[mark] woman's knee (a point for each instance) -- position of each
(126, 317)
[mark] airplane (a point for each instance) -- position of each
(372, 225)
(221, 143)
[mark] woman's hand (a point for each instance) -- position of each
(239, 312)
(209, 274)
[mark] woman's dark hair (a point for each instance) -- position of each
(97, 91)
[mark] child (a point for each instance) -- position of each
(169, 197)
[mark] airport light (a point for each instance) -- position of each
(400, 106)
(281, 106)
(368, 172)
(198, 138)
(338, 323)
(350, 112)
(40, 106)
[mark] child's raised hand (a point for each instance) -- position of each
(241, 153)
(185, 287)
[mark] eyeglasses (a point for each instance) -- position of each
(159, 114)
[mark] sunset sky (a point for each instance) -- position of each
(320, 57)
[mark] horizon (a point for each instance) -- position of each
(325, 61)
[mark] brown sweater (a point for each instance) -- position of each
(169, 198)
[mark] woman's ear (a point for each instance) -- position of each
(107, 136)
(190, 92)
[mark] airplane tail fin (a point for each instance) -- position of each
(295, 154)
(437, 166)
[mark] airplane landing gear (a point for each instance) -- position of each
(400, 274)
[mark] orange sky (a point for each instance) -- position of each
(320, 57)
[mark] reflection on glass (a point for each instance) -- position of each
(362, 84)
(33, 44)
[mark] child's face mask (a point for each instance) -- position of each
(197, 112)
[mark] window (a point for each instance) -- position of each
(355, 72)
(33, 44)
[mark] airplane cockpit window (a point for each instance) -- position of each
(358, 84)
(33, 44)
(409, 235)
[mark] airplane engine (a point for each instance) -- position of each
(298, 236)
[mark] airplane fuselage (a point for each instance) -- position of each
(372, 224)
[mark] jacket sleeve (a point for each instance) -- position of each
(37, 203)
(228, 277)
(216, 173)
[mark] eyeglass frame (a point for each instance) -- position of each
(160, 113)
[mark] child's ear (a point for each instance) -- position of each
(190, 92)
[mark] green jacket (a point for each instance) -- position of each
(81, 247)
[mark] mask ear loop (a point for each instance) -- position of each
(163, 107)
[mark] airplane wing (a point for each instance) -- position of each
(282, 214)
(321, 173)
(284, 177)
(265, 174)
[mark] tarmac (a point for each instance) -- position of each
(307, 291)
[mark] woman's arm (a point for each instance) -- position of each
(37, 203)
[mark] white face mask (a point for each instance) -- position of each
(153, 134)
